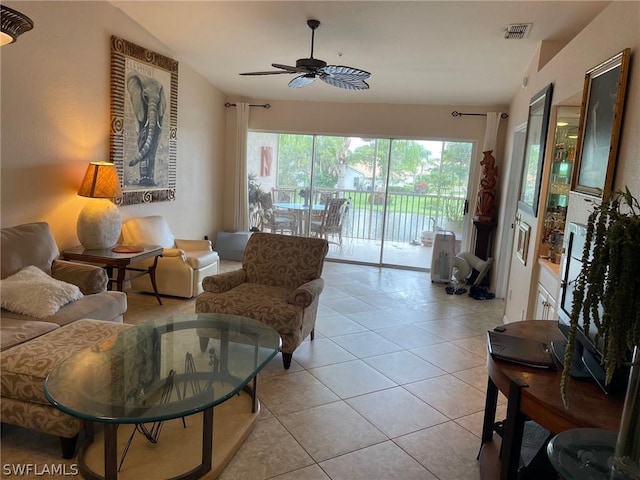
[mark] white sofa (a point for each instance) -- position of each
(183, 265)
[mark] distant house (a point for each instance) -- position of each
(355, 179)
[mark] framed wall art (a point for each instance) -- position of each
(600, 122)
(536, 139)
(144, 119)
(522, 247)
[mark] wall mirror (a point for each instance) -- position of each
(537, 126)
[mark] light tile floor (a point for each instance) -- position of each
(392, 387)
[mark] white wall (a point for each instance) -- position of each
(55, 112)
(616, 28)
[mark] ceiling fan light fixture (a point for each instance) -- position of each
(310, 63)
(12, 25)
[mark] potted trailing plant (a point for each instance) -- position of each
(607, 296)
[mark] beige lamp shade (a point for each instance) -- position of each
(100, 181)
(99, 222)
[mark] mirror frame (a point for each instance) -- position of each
(536, 140)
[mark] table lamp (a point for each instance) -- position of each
(99, 222)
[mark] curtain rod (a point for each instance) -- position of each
(263, 105)
(459, 114)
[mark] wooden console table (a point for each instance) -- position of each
(535, 394)
(120, 261)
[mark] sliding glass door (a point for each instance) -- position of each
(426, 193)
(377, 200)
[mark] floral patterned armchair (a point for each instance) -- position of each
(279, 284)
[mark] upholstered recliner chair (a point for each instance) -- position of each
(183, 265)
(279, 284)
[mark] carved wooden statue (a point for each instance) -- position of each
(486, 203)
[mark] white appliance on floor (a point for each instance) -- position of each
(444, 249)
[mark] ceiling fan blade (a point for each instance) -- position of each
(284, 68)
(340, 71)
(290, 69)
(302, 81)
(347, 84)
(273, 72)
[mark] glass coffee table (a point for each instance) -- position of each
(157, 371)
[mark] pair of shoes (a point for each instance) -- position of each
(457, 291)
(481, 293)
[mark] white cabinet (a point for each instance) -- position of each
(545, 305)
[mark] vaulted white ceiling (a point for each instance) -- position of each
(419, 52)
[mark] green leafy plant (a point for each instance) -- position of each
(454, 209)
(256, 212)
(255, 189)
(607, 290)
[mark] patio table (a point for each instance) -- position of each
(301, 213)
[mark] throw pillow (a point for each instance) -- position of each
(32, 292)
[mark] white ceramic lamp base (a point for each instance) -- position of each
(99, 224)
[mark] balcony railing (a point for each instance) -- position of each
(408, 214)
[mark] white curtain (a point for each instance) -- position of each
(491, 131)
(241, 213)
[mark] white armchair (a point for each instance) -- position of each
(183, 265)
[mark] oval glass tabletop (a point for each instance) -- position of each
(583, 453)
(163, 369)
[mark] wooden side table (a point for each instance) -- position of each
(111, 260)
(535, 394)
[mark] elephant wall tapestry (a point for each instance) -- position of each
(144, 120)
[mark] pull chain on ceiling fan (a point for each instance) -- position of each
(311, 68)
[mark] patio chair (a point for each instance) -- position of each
(283, 195)
(332, 221)
(276, 219)
(322, 196)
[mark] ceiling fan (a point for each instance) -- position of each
(339, 76)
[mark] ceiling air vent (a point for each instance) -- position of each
(517, 31)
